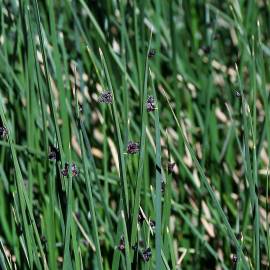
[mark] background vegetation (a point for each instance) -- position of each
(75, 81)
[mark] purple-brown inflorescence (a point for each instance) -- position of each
(64, 171)
(121, 245)
(150, 104)
(152, 224)
(54, 154)
(133, 147)
(151, 53)
(234, 258)
(3, 132)
(106, 97)
(206, 49)
(146, 254)
(74, 170)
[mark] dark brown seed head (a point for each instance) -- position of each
(54, 154)
(152, 224)
(133, 147)
(74, 170)
(206, 49)
(140, 217)
(121, 245)
(106, 97)
(171, 166)
(150, 104)
(234, 258)
(146, 254)
(64, 171)
(152, 53)
(3, 132)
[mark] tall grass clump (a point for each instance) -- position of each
(134, 134)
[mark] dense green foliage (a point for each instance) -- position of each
(81, 82)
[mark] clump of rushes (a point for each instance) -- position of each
(133, 147)
(54, 154)
(106, 97)
(150, 104)
(3, 132)
(74, 170)
(64, 171)
(152, 53)
(146, 254)
(171, 167)
(121, 245)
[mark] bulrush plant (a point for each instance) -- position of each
(134, 135)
